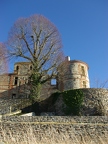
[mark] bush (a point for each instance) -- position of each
(73, 100)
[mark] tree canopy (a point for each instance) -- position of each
(38, 41)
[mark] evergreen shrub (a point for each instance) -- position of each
(73, 100)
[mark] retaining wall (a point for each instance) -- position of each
(7, 105)
(95, 103)
(57, 129)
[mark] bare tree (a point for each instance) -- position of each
(3, 62)
(38, 41)
(100, 84)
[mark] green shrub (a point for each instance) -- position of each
(73, 100)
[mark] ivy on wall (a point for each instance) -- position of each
(73, 100)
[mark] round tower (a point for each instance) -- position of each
(75, 76)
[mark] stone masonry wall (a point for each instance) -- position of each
(55, 129)
(95, 103)
(7, 105)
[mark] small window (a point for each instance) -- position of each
(82, 70)
(31, 67)
(16, 81)
(17, 67)
(84, 84)
(53, 82)
(13, 96)
(29, 79)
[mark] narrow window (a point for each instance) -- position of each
(16, 81)
(31, 67)
(17, 67)
(53, 82)
(84, 84)
(82, 70)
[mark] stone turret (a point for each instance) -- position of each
(75, 76)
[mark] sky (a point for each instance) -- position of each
(82, 24)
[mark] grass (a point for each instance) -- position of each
(46, 134)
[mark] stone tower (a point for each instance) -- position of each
(75, 75)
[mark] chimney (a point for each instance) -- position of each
(68, 58)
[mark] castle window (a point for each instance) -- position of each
(31, 67)
(16, 81)
(84, 84)
(53, 82)
(17, 67)
(13, 96)
(82, 70)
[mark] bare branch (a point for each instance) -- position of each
(38, 41)
(3, 62)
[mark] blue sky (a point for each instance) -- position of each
(83, 25)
